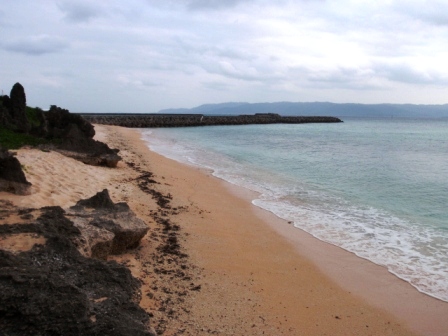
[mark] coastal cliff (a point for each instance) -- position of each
(185, 120)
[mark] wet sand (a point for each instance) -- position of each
(212, 263)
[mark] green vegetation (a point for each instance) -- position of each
(21, 125)
(32, 114)
(12, 140)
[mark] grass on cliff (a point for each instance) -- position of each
(12, 140)
(31, 115)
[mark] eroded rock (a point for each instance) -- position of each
(117, 218)
(52, 289)
(93, 241)
(76, 136)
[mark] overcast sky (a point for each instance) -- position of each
(146, 55)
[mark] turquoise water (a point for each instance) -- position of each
(377, 188)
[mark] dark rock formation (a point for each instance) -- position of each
(68, 133)
(17, 108)
(61, 122)
(52, 289)
(100, 212)
(5, 117)
(185, 120)
(12, 178)
(100, 200)
(75, 136)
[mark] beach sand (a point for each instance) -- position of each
(212, 263)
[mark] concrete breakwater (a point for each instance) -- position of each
(185, 120)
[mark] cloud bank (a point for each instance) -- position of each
(99, 56)
(37, 45)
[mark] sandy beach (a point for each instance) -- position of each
(213, 263)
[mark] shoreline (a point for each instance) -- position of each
(336, 208)
(371, 282)
(251, 195)
(423, 313)
(234, 268)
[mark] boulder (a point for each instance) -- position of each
(117, 218)
(12, 177)
(93, 242)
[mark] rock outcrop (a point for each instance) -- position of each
(75, 137)
(5, 118)
(52, 289)
(12, 178)
(61, 130)
(62, 124)
(185, 120)
(107, 227)
(17, 108)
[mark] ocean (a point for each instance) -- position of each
(374, 187)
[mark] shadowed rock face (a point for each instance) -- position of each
(76, 137)
(5, 117)
(117, 218)
(101, 200)
(12, 178)
(52, 289)
(60, 121)
(17, 108)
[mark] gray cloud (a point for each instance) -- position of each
(181, 52)
(202, 5)
(217, 86)
(232, 53)
(2, 17)
(405, 73)
(347, 78)
(432, 12)
(139, 83)
(79, 11)
(207, 5)
(37, 45)
(337, 76)
(213, 4)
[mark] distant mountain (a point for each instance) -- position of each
(321, 109)
(206, 108)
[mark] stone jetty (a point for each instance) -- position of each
(185, 120)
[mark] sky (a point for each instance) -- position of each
(147, 55)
